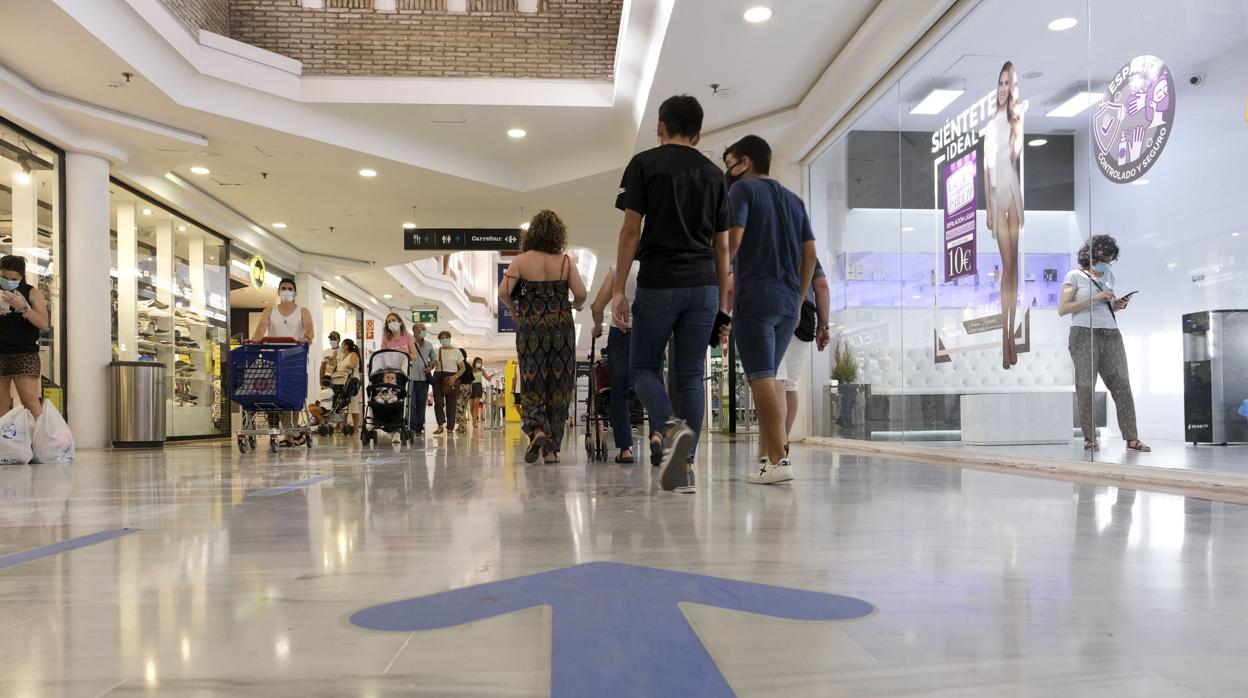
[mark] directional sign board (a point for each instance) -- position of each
(502, 239)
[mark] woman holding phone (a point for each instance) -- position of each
(1095, 343)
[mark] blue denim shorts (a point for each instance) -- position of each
(761, 341)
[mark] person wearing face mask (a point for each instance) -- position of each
(330, 359)
(23, 315)
(446, 383)
(424, 360)
(285, 319)
(479, 378)
(1095, 343)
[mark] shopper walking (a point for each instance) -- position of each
(676, 224)
(789, 373)
(329, 360)
(424, 359)
(535, 289)
(1095, 343)
(446, 383)
(286, 319)
(618, 361)
(476, 396)
(348, 368)
(773, 247)
(23, 316)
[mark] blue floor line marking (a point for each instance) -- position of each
(617, 630)
(283, 489)
(64, 546)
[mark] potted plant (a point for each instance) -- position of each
(845, 373)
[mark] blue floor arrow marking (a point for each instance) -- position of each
(63, 547)
(617, 629)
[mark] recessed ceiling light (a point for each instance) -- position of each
(181, 228)
(1139, 182)
(517, 133)
(279, 226)
(754, 15)
(1076, 104)
(374, 300)
(908, 229)
(1037, 142)
(200, 170)
(1234, 235)
(368, 173)
(409, 226)
(524, 225)
(388, 296)
(337, 278)
(936, 101)
(147, 211)
(1062, 24)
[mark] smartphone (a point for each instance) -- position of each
(1128, 296)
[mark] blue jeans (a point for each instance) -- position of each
(761, 341)
(686, 315)
(617, 360)
(417, 396)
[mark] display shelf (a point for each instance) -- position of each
(905, 280)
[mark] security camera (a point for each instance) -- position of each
(1196, 80)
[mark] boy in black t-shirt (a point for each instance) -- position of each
(675, 207)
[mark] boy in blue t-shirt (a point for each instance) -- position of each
(773, 247)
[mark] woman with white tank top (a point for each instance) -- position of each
(285, 319)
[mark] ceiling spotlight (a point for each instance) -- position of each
(181, 228)
(388, 296)
(147, 211)
(23, 177)
(524, 225)
(1062, 24)
(337, 277)
(279, 226)
(374, 300)
(199, 170)
(368, 173)
(517, 133)
(1037, 142)
(409, 226)
(754, 15)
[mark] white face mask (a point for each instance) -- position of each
(445, 342)
(394, 326)
(286, 296)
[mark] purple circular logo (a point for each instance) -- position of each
(1134, 120)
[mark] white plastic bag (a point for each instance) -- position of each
(52, 442)
(15, 433)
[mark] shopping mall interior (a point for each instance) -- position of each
(997, 491)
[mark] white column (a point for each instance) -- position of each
(25, 223)
(127, 284)
(309, 296)
(88, 303)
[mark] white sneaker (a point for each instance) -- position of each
(394, 438)
(771, 473)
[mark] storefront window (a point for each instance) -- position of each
(954, 209)
(31, 227)
(338, 315)
(170, 306)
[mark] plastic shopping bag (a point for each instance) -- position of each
(15, 432)
(52, 442)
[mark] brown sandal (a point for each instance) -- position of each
(1137, 445)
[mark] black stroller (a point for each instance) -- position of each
(386, 396)
(337, 413)
(596, 418)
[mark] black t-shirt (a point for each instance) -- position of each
(684, 200)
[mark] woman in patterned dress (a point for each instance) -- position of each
(535, 289)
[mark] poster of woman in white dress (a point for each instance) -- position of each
(1003, 189)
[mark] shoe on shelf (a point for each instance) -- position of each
(678, 441)
(771, 473)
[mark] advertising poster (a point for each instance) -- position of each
(506, 323)
(993, 127)
(959, 185)
(1134, 120)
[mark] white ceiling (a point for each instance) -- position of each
(570, 161)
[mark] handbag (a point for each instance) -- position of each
(807, 322)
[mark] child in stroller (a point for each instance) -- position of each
(387, 397)
(331, 405)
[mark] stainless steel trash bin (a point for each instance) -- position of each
(138, 417)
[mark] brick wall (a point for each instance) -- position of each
(213, 15)
(566, 39)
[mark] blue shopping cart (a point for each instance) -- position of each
(269, 381)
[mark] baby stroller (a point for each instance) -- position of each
(386, 396)
(595, 416)
(337, 412)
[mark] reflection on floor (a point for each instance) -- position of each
(982, 583)
(1165, 454)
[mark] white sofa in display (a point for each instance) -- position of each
(910, 392)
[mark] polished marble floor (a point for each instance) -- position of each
(982, 583)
